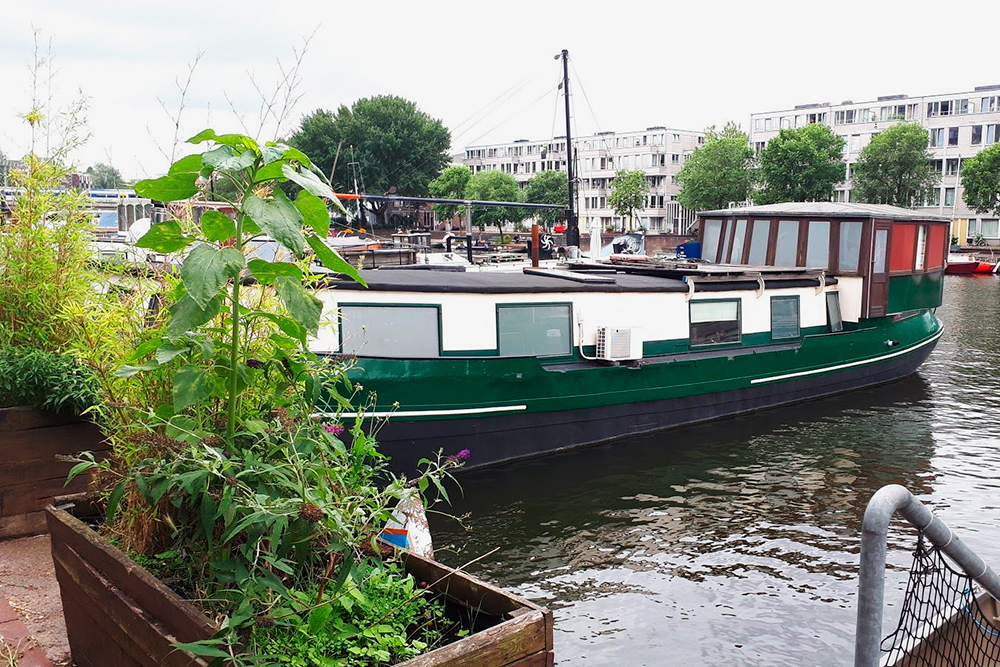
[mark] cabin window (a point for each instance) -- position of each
(784, 317)
(904, 239)
(535, 330)
(715, 322)
(850, 246)
(833, 317)
(726, 240)
(412, 332)
(936, 246)
(921, 247)
(787, 245)
(818, 245)
(738, 240)
(710, 245)
(881, 241)
(758, 242)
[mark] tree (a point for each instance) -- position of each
(801, 165)
(981, 181)
(450, 184)
(895, 168)
(104, 176)
(718, 172)
(548, 187)
(628, 193)
(494, 186)
(385, 141)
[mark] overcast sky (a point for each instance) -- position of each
(485, 69)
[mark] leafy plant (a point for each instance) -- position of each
(719, 172)
(801, 164)
(45, 380)
(981, 181)
(895, 168)
(628, 192)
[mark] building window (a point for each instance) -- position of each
(951, 166)
(784, 317)
(990, 229)
(949, 196)
(977, 135)
(934, 197)
(675, 159)
(758, 242)
(715, 322)
(952, 136)
(535, 330)
(850, 246)
(992, 133)
(937, 137)
(412, 332)
(787, 244)
(818, 245)
(833, 318)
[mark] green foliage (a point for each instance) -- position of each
(396, 147)
(718, 172)
(803, 164)
(494, 186)
(981, 181)
(379, 617)
(628, 193)
(548, 187)
(45, 380)
(104, 176)
(450, 184)
(44, 258)
(895, 168)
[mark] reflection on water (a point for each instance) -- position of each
(736, 542)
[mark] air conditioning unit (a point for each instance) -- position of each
(614, 344)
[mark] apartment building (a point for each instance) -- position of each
(959, 125)
(657, 151)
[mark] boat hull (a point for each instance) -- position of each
(961, 268)
(693, 391)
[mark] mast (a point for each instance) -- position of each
(572, 226)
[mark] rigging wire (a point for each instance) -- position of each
(593, 115)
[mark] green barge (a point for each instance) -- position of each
(790, 302)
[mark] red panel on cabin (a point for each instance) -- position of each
(936, 246)
(904, 239)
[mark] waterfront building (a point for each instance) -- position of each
(657, 151)
(959, 125)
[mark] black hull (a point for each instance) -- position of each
(499, 439)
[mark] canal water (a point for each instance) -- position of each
(736, 542)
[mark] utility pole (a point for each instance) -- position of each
(572, 225)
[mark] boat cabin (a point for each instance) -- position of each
(893, 257)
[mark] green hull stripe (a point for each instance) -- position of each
(826, 369)
(429, 413)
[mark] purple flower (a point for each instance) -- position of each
(255, 363)
(461, 457)
(335, 429)
(225, 452)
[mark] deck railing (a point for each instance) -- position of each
(886, 502)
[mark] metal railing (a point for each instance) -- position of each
(886, 502)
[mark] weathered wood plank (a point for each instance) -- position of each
(465, 588)
(180, 618)
(22, 525)
(43, 443)
(35, 494)
(540, 659)
(145, 639)
(502, 644)
(22, 419)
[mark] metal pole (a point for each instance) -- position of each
(534, 246)
(871, 579)
(572, 226)
(468, 231)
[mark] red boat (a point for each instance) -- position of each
(986, 267)
(958, 264)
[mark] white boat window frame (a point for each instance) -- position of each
(546, 304)
(691, 322)
(798, 315)
(340, 327)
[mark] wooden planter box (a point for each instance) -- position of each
(119, 614)
(30, 474)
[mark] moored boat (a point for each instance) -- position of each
(961, 265)
(797, 301)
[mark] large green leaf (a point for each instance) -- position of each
(265, 272)
(314, 212)
(189, 164)
(164, 237)
(287, 325)
(234, 140)
(186, 314)
(280, 219)
(307, 180)
(207, 269)
(333, 261)
(192, 385)
(303, 306)
(171, 187)
(217, 227)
